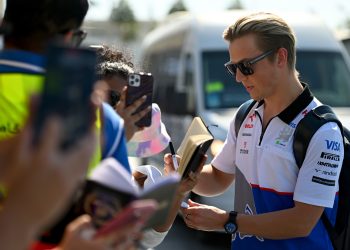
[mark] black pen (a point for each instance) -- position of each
(173, 155)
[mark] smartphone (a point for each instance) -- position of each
(140, 84)
(69, 81)
(136, 211)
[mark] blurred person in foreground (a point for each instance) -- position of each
(44, 178)
(282, 205)
(35, 177)
(29, 27)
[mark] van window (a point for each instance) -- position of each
(164, 67)
(325, 72)
(220, 89)
(189, 84)
(327, 75)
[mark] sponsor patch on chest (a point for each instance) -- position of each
(284, 136)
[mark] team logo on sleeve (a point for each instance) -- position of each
(330, 156)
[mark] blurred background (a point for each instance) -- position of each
(125, 22)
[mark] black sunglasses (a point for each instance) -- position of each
(246, 66)
(78, 37)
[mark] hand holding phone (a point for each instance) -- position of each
(140, 84)
(136, 212)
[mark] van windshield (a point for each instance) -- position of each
(325, 72)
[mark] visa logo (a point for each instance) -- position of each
(333, 145)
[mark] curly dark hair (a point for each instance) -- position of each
(113, 62)
(110, 54)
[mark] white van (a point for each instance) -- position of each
(186, 55)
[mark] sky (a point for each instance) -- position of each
(333, 12)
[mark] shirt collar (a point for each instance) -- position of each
(296, 107)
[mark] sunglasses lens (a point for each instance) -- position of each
(245, 69)
(232, 68)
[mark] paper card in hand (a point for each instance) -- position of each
(194, 146)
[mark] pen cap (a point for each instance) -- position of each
(151, 140)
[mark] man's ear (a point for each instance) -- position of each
(282, 57)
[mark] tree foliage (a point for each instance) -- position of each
(235, 5)
(122, 13)
(178, 6)
(123, 16)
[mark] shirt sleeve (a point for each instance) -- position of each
(317, 181)
(115, 141)
(225, 159)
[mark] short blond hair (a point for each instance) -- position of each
(271, 31)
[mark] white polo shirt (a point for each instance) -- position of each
(266, 165)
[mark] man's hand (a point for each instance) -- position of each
(204, 217)
(188, 183)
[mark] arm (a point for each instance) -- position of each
(288, 223)
(212, 181)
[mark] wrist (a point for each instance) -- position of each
(224, 219)
(231, 224)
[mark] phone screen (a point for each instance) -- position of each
(70, 76)
(140, 84)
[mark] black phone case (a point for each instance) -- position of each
(136, 91)
(69, 80)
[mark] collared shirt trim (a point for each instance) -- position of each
(297, 106)
(26, 66)
(18, 61)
